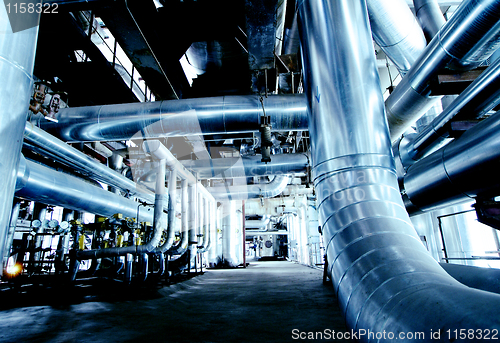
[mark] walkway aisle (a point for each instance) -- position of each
(262, 303)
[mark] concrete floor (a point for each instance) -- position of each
(262, 303)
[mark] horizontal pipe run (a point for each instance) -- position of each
(36, 182)
(242, 192)
(247, 166)
(199, 116)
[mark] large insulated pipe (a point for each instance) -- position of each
(172, 220)
(36, 182)
(183, 117)
(184, 242)
(77, 159)
(242, 192)
(247, 166)
(466, 168)
(257, 223)
(192, 234)
(396, 31)
(231, 233)
(429, 16)
(467, 39)
(384, 278)
(17, 56)
(478, 99)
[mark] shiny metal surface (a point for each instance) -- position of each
(383, 276)
(45, 185)
(479, 98)
(429, 16)
(171, 218)
(17, 56)
(78, 160)
(246, 166)
(242, 192)
(257, 223)
(465, 40)
(464, 169)
(184, 242)
(232, 233)
(396, 31)
(193, 229)
(178, 118)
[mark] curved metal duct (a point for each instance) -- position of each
(265, 190)
(486, 279)
(178, 118)
(466, 40)
(465, 168)
(429, 16)
(79, 160)
(384, 278)
(257, 223)
(396, 31)
(17, 57)
(39, 183)
(246, 166)
(478, 99)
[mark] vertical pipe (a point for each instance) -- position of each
(192, 221)
(12, 228)
(244, 235)
(384, 278)
(17, 56)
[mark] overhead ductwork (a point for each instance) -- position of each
(36, 182)
(464, 169)
(247, 166)
(257, 223)
(429, 16)
(17, 57)
(467, 39)
(477, 100)
(242, 192)
(384, 278)
(183, 117)
(396, 31)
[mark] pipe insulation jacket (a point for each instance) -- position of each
(470, 36)
(384, 278)
(185, 117)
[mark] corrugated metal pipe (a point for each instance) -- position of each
(429, 16)
(17, 57)
(467, 39)
(36, 182)
(183, 117)
(464, 169)
(477, 100)
(486, 279)
(80, 161)
(384, 278)
(246, 166)
(242, 192)
(396, 31)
